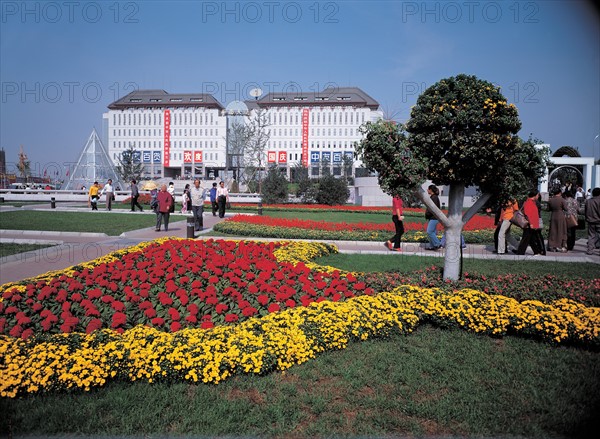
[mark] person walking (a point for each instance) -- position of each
(504, 235)
(434, 242)
(557, 235)
(530, 232)
(592, 217)
(397, 218)
(186, 202)
(165, 201)
(197, 200)
(171, 190)
(109, 192)
(93, 196)
(222, 198)
(135, 193)
(213, 199)
(572, 213)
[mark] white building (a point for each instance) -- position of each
(313, 128)
(175, 134)
(185, 134)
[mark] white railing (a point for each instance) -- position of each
(42, 195)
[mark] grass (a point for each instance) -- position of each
(407, 264)
(13, 249)
(113, 224)
(433, 382)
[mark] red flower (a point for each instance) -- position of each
(150, 313)
(231, 317)
(118, 319)
(263, 299)
(175, 326)
(174, 314)
(93, 325)
(290, 303)
(249, 311)
(191, 319)
(207, 325)
(117, 306)
(221, 308)
(273, 308)
(158, 321)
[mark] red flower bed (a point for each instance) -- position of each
(476, 223)
(176, 284)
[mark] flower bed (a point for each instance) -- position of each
(185, 310)
(478, 230)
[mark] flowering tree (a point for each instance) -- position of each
(461, 133)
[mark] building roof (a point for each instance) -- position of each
(160, 98)
(339, 96)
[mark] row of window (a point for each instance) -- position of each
(179, 144)
(159, 132)
(318, 117)
(155, 118)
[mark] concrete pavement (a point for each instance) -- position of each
(74, 248)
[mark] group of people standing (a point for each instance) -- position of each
(564, 211)
(564, 221)
(163, 200)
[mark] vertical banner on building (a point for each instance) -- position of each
(271, 156)
(305, 137)
(198, 156)
(187, 156)
(282, 157)
(167, 138)
(147, 156)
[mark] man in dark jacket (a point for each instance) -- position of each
(592, 217)
(135, 193)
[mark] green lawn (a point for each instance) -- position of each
(408, 263)
(433, 382)
(111, 223)
(13, 249)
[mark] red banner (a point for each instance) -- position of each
(198, 156)
(271, 156)
(305, 112)
(282, 157)
(167, 138)
(187, 156)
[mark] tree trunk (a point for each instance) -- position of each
(453, 259)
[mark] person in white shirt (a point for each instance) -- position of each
(109, 192)
(197, 194)
(222, 198)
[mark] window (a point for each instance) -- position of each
(175, 99)
(155, 100)
(300, 98)
(196, 100)
(279, 98)
(135, 100)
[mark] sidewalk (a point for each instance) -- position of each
(75, 248)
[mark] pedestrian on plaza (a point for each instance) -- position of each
(557, 234)
(197, 200)
(135, 193)
(434, 242)
(397, 218)
(93, 196)
(109, 192)
(504, 236)
(186, 202)
(592, 216)
(222, 198)
(171, 190)
(572, 213)
(531, 231)
(165, 202)
(579, 195)
(213, 199)
(154, 200)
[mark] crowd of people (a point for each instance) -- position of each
(565, 205)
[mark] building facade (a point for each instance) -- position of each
(186, 135)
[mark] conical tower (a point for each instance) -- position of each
(93, 164)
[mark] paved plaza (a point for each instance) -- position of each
(73, 248)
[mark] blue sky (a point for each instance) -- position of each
(62, 63)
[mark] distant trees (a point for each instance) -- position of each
(130, 167)
(274, 187)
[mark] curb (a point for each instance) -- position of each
(51, 233)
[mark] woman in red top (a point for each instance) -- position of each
(397, 218)
(531, 232)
